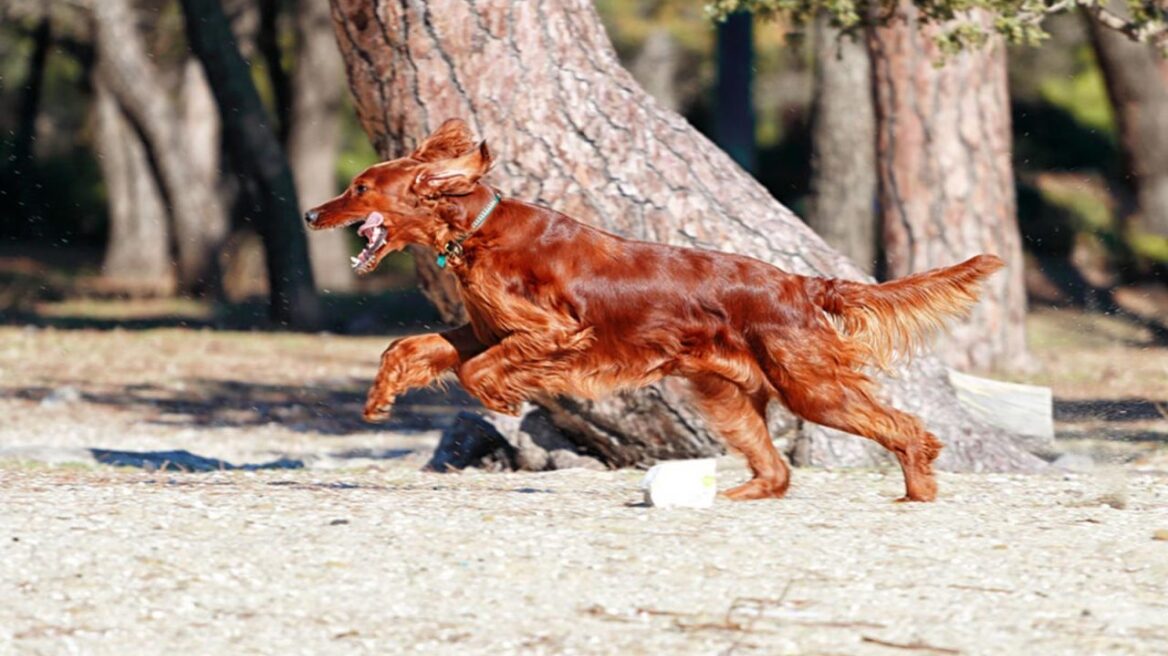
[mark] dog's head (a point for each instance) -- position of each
(396, 201)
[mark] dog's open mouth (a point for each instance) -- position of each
(375, 234)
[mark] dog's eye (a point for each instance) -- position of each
(362, 189)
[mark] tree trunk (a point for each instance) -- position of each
(314, 139)
(201, 132)
(842, 206)
(268, 43)
(253, 145)
(734, 104)
(655, 68)
(137, 253)
(132, 78)
(946, 181)
(1137, 84)
(573, 131)
(22, 182)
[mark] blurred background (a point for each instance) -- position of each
(128, 201)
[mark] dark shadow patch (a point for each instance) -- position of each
(183, 461)
(329, 408)
(373, 454)
(1109, 410)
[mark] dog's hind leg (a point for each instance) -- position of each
(740, 419)
(827, 391)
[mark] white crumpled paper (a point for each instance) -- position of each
(681, 484)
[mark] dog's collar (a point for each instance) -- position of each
(453, 248)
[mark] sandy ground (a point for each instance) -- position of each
(359, 552)
(392, 560)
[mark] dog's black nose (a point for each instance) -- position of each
(310, 216)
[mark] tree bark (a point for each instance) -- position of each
(314, 139)
(1137, 84)
(203, 139)
(842, 206)
(655, 68)
(573, 131)
(254, 146)
(946, 180)
(137, 256)
(132, 78)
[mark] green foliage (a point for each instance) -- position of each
(1017, 21)
(1082, 95)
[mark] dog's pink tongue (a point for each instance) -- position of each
(372, 221)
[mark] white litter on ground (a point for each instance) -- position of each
(681, 484)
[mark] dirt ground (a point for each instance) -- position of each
(343, 546)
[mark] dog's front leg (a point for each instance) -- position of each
(415, 362)
(523, 364)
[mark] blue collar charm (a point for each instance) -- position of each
(454, 248)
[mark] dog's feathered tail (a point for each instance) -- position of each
(897, 318)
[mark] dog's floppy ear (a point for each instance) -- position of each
(451, 139)
(455, 176)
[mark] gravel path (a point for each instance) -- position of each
(390, 560)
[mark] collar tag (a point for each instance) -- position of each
(453, 249)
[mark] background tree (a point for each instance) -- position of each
(946, 177)
(842, 203)
(200, 224)
(20, 167)
(256, 149)
(137, 256)
(573, 131)
(314, 135)
(734, 107)
(1137, 84)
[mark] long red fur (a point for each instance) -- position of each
(560, 307)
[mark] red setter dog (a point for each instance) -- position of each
(560, 307)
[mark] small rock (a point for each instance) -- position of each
(566, 459)
(61, 395)
(1074, 462)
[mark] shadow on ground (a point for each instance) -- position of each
(182, 460)
(1111, 410)
(352, 314)
(318, 407)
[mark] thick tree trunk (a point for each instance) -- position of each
(655, 67)
(573, 131)
(137, 254)
(842, 207)
(132, 78)
(734, 104)
(1137, 84)
(254, 146)
(315, 136)
(946, 181)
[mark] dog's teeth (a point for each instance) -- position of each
(355, 261)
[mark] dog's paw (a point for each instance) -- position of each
(501, 406)
(376, 412)
(504, 409)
